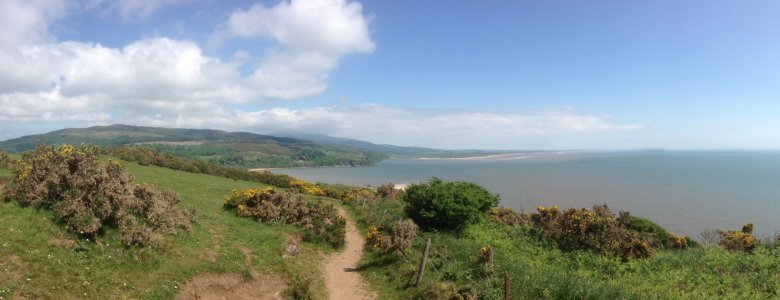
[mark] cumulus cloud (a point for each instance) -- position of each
(313, 35)
(168, 76)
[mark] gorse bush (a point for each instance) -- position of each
(743, 240)
(597, 230)
(447, 206)
(507, 216)
(321, 222)
(87, 195)
(399, 239)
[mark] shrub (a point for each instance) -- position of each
(320, 222)
(400, 239)
(743, 240)
(657, 236)
(304, 187)
(5, 160)
(402, 235)
(447, 205)
(377, 240)
(387, 190)
(87, 195)
(597, 230)
(507, 217)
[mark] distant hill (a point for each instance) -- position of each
(389, 149)
(236, 149)
(338, 141)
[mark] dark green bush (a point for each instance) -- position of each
(447, 205)
(658, 237)
(87, 195)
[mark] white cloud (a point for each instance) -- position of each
(23, 22)
(167, 76)
(313, 35)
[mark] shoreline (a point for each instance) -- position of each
(505, 156)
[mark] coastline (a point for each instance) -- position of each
(505, 156)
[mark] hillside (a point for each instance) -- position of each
(40, 259)
(396, 151)
(339, 141)
(235, 149)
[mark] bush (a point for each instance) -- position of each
(743, 240)
(657, 236)
(320, 222)
(400, 239)
(507, 217)
(5, 160)
(447, 205)
(87, 195)
(597, 230)
(402, 235)
(387, 190)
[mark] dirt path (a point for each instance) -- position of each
(341, 278)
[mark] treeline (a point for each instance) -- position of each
(249, 154)
(149, 157)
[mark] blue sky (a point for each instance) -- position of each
(448, 74)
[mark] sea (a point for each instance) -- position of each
(686, 192)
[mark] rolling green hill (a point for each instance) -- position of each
(235, 149)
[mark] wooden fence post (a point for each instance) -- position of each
(506, 286)
(421, 270)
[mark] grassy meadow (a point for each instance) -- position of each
(41, 259)
(537, 269)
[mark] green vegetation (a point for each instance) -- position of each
(43, 259)
(463, 266)
(149, 157)
(321, 222)
(235, 149)
(447, 205)
(574, 253)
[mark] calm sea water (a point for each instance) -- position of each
(686, 192)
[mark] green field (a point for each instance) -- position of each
(40, 259)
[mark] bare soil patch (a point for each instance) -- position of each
(232, 286)
(339, 270)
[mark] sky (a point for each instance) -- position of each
(455, 74)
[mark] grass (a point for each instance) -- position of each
(106, 269)
(538, 269)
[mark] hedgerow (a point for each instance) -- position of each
(87, 195)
